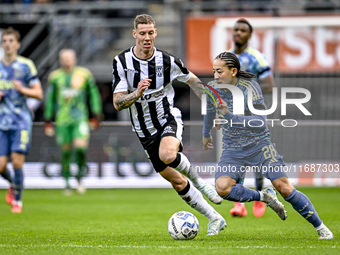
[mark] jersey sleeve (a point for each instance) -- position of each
(179, 71)
(211, 113)
(94, 95)
(119, 82)
(263, 67)
(50, 99)
(31, 73)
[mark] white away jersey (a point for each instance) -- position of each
(150, 112)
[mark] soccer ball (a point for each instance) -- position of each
(183, 226)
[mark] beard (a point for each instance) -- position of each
(238, 44)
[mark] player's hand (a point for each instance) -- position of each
(142, 86)
(1, 95)
(94, 123)
(49, 129)
(17, 85)
(222, 108)
(207, 143)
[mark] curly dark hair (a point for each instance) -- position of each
(231, 61)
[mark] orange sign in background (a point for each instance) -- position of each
(289, 47)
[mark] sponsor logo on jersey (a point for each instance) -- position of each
(130, 70)
(159, 71)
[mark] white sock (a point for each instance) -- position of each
(184, 167)
(195, 199)
(320, 227)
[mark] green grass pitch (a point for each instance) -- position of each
(134, 221)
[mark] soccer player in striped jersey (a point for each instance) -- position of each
(18, 80)
(251, 61)
(246, 142)
(142, 77)
(69, 88)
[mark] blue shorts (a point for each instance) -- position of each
(15, 141)
(261, 157)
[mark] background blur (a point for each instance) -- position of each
(300, 38)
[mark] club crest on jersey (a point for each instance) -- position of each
(168, 130)
(159, 71)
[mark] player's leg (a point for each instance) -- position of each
(195, 199)
(81, 137)
(274, 170)
(229, 178)
(259, 207)
(64, 140)
(302, 205)
(18, 160)
(169, 148)
(4, 172)
(20, 142)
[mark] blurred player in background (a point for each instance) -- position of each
(68, 90)
(248, 144)
(18, 80)
(254, 62)
(142, 77)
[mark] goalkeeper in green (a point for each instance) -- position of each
(66, 99)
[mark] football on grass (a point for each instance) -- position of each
(183, 226)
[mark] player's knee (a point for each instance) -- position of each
(167, 156)
(223, 186)
(283, 187)
(17, 162)
(222, 192)
(222, 189)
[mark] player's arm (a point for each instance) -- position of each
(49, 109)
(208, 125)
(123, 100)
(267, 84)
(95, 103)
(196, 85)
(34, 90)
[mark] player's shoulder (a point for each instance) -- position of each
(83, 70)
(24, 60)
(123, 52)
(255, 53)
(27, 62)
(55, 74)
(245, 84)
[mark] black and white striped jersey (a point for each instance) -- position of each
(150, 112)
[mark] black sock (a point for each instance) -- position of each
(7, 176)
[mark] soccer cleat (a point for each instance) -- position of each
(215, 226)
(16, 207)
(210, 192)
(67, 192)
(325, 233)
(239, 210)
(81, 189)
(9, 196)
(259, 208)
(270, 198)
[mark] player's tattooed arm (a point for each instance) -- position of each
(196, 85)
(123, 100)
